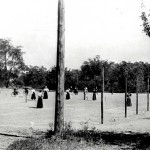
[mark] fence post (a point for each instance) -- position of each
(26, 97)
(137, 90)
(125, 96)
(148, 94)
(102, 97)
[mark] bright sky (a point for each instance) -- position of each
(109, 28)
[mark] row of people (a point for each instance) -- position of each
(33, 93)
(129, 103)
(41, 95)
(85, 93)
(44, 93)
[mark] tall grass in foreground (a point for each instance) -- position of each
(83, 140)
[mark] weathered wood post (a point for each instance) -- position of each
(125, 96)
(126, 87)
(137, 90)
(26, 97)
(102, 97)
(148, 88)
(6, 72)
(148, 93)
(59, 104)
(25, 89)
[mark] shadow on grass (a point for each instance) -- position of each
(147, 118)
(134, 140)
(33, 107)
(71, 138)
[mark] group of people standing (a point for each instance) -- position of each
(43, 94)
(85, 92)
(70, 90)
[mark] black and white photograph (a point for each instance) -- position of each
(74, 74)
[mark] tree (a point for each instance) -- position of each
(91, 73)
(138, 70)
(1, 75)
(145, 19)
(11, 58)
(51, 78)
(71, 78)
(114, 73)
(5, 48)
(35, 77)
(146, 25)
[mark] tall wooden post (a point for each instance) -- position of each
(125, 96)
(102, 97)
(137, 90)
(59, 105)
(148, 94)
(26, 97)
(6, 73)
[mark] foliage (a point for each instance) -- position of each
(35, 77)
(89, 75)
(146, 25)
(51, 78)
(71, 78)
(145, 18)
(14, 72)
(114, 75)
(11, 58)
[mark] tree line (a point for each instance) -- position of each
(14, 72)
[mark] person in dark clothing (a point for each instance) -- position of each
(15, 91)
(26, 91)
(67, 94)
(40, 100)
(45, 93)
(33, 96)
(129, 103)
(75, 91)
(94, 94)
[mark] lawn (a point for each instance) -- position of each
(22, 118)
(14, 111)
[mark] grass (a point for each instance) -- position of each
(83, 140)
(77, 111)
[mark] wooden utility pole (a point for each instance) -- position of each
(125, 96)
(137, 90)
(102, 97)
(148, 94)
(59, 104)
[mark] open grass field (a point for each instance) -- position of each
(20, 117)
(16, 112)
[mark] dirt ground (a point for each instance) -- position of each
(21, 119)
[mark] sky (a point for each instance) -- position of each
(111, 29)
